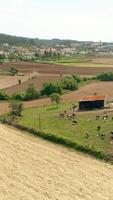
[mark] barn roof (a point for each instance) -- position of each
(94, 98)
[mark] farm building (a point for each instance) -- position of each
(92, 102)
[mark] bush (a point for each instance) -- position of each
(50, 88)
(16, 108)
(13, 71)
(77, 78)
(69, 83)
(18, 96)
(3, 96)
(31, 93)
(105, 76)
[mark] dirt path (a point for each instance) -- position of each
(34, 169)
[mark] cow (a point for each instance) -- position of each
(97, 117)
(98, 128)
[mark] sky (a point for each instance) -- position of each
(83, 20)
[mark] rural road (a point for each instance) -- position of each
(34, 169)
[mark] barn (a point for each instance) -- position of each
(92, 102)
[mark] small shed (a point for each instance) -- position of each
(92, 102)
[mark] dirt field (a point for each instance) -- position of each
(26, 67)
(37, 82)
(34, 169)
(10, 81)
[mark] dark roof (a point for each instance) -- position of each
(93, 98)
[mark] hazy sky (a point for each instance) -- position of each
(68, 19)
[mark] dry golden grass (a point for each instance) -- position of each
(34, 169)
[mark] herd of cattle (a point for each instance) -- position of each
(73, 116)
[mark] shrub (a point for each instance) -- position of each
(3, 96)
(105, 76)
(50, 88)
(13, 71)
(18, 96)
(31, 93)
(69, 83)
(16, 108)
(77, 78)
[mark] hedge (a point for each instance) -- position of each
(64, 141)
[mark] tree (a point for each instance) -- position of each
(16, 108)
(31, 93)
(69, 83)
(55, 98)
(50, 88)
(3, 96)
(13, 71)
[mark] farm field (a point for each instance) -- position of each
(31, 168)
(46, 72)
(36, 81)
(102, 88)
(9, 81)
(43, 68)
(51, 122)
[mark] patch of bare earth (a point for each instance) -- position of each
(36, 81)
(34, 169)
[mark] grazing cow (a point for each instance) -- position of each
(102, 136)
(99, 135)
(69, 116)
(105, 117)
(75, 122)
(97, 117)
(87, 135)
(111, 135)
(61, 115)
(98, 128)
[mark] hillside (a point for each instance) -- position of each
(24, 41)
(31, 168)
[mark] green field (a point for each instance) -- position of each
(50, 122)
(79, 61)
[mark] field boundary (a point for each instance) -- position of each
(62, 141)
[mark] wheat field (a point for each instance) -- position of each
(34, 169)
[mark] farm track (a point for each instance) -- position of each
(31, 169)
(26, 67)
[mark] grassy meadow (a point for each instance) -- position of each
(79, 61)
(47, 119)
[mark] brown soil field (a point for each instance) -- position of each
(34, 169)
(101, 88)
(26, 67)
(10, 81)
(36, 81)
